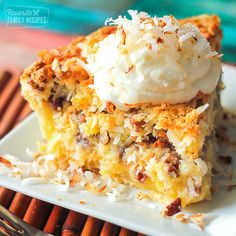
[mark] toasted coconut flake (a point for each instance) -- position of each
(198, 219)
(123, 38)
(161, 23)
(105, 138)
(202, 108)
(182, 218)
(141, 195)
(129, 69)
(5, 162)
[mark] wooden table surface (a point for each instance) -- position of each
(45, 216)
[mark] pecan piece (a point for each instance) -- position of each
(151, 139)
(161, 133)
(161, 143)
(172, 163)
(140, 175)
(160, 40)
(137, 124)
(173, 208)
(110, 107)
(105, 138)
(162, 140)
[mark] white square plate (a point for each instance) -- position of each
(129, 213)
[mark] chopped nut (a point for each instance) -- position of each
(151, 139)
(137, 123)
(82, 202)
(172, 163)
(161, 133)
(105, 138)
(161, 143)
(110, 107)
(162, 140)
(82, 118)
(160, 40)
(173, 208)
(226, 159)
(140, 175)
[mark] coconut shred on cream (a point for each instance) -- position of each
(153, 60)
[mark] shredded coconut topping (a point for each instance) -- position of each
(43, 169)
(152, 60)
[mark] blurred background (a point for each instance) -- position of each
(56, 22)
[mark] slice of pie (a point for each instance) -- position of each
(142, 118)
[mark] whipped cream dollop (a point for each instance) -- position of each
(153, 60)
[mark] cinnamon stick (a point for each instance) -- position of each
(74, 224)
(19, 204)
(6, 196)
(7, 92)
(37, 213)
(9, 117)
(5, 76)
(55, 220)
(109, 229)
(92, 227)
(126, 232)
